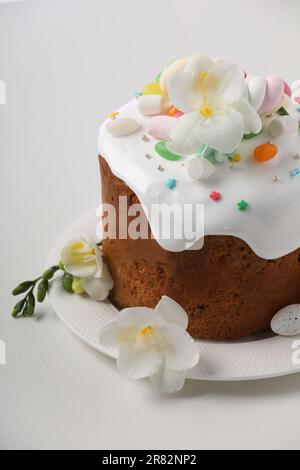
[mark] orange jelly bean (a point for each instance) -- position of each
(172, 111)
(265, 152)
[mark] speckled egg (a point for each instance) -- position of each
(286, 322)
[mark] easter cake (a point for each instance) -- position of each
(205, 133)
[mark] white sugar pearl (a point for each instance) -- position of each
(200, 168)
(150, 104)
(160, 127)
(286, 322)
(122, 126)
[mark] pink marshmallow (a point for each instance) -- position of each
(160, 126)
(273, 96)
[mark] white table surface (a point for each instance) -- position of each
(67, 64)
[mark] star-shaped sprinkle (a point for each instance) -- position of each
(242, 205)
(113, 115)
(171, 183)
(215, 195)
(235, 158)
(295, 172)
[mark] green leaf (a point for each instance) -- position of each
(42, 290)
(23, 287)
(49, 273)
(61, 265)
(67, 282)
(282, 111)
(18, 307)
(30, 305)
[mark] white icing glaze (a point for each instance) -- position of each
(271, 225)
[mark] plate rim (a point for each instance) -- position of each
(52, 255)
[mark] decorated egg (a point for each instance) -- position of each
(160, 127)
(122, 126)
(286, 322)
(200, 169)
(256, 90)
(265, 152)
(273, 95)
(150, 104)
(172, 68)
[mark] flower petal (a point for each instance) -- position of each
(98, 287)
(168, 381)
(137, 317)
(109, 335)
(252, 120)
(199, 63)
(179, 350)
(77, 260)
(222, 132)
(171, 312)
(141, 359)
(181, 91)
(229, 83)
(182, 134)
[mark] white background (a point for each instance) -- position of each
(67, 64)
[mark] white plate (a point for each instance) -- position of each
(250, 359)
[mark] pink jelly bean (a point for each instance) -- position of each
(273, 96)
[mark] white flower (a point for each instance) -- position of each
(84, 261)
(212, 96)
(153, 343)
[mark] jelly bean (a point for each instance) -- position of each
(265, 152)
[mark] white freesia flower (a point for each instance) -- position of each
(84, 261)
(153, 343)
(212, 94)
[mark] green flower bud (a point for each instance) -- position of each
(76, 286)
(23, 287)
(30, 305)
(67, 282)
(42, 290)
(18, 307)
(49, 273)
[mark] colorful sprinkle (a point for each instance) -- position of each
(171, 183)
(235, 158)
(242, 205)
(298, 109)
(215, 195)
(113, 115)
(295, 172)
(162, 151)
(265, 152)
